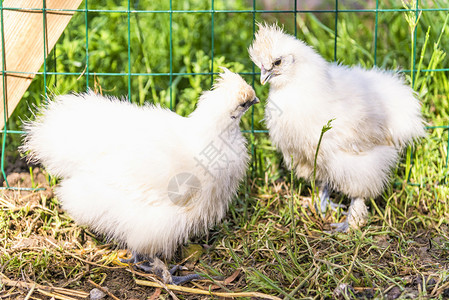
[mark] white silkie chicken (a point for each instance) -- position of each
(376, 116)
(145, 176)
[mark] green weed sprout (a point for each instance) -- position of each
(325, 128)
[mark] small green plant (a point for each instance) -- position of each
(325, 128)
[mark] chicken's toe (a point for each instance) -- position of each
(341, 227)
(178, 280)
(154, 265)
(356, 217)
(151, 265)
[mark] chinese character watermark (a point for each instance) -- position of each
(213, 159)
(184, 188)
(272, 110)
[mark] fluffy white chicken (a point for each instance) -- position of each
(145, 176)
(376, 115)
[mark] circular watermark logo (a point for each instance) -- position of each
(184, 188)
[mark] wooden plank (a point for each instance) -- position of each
(24, 43)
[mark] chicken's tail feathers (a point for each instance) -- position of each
(36, 141)
(406, 125)
(402, 108)
(56, 137)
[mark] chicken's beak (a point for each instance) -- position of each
(265, 75)
(255, 101)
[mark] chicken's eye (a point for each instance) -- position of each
(277, 62)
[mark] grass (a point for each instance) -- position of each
(271, 237)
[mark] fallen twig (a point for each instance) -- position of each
(30, 292)
(81, 259)
(203, 292)
(60, 292)
(103, 290)
(56, 295)
(155, 279)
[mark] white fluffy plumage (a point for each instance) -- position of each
(121, 164)
(376, 116)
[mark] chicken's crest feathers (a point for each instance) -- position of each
(225, 70)
(228, 99)
(228, 79)
(233, 83)
(270, 42)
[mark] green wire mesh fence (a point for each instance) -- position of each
(168, 51)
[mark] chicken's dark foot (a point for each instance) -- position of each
(326, 202)
(151, 265)
(357, 216)
(341, 227)
(178, 280)
(155, 266)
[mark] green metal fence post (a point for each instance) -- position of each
(171, 55)
(44, 30)
(5, 127)
(336, 30)
(212, 14)
(87, 43)
(129, 50)
(376, 25)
